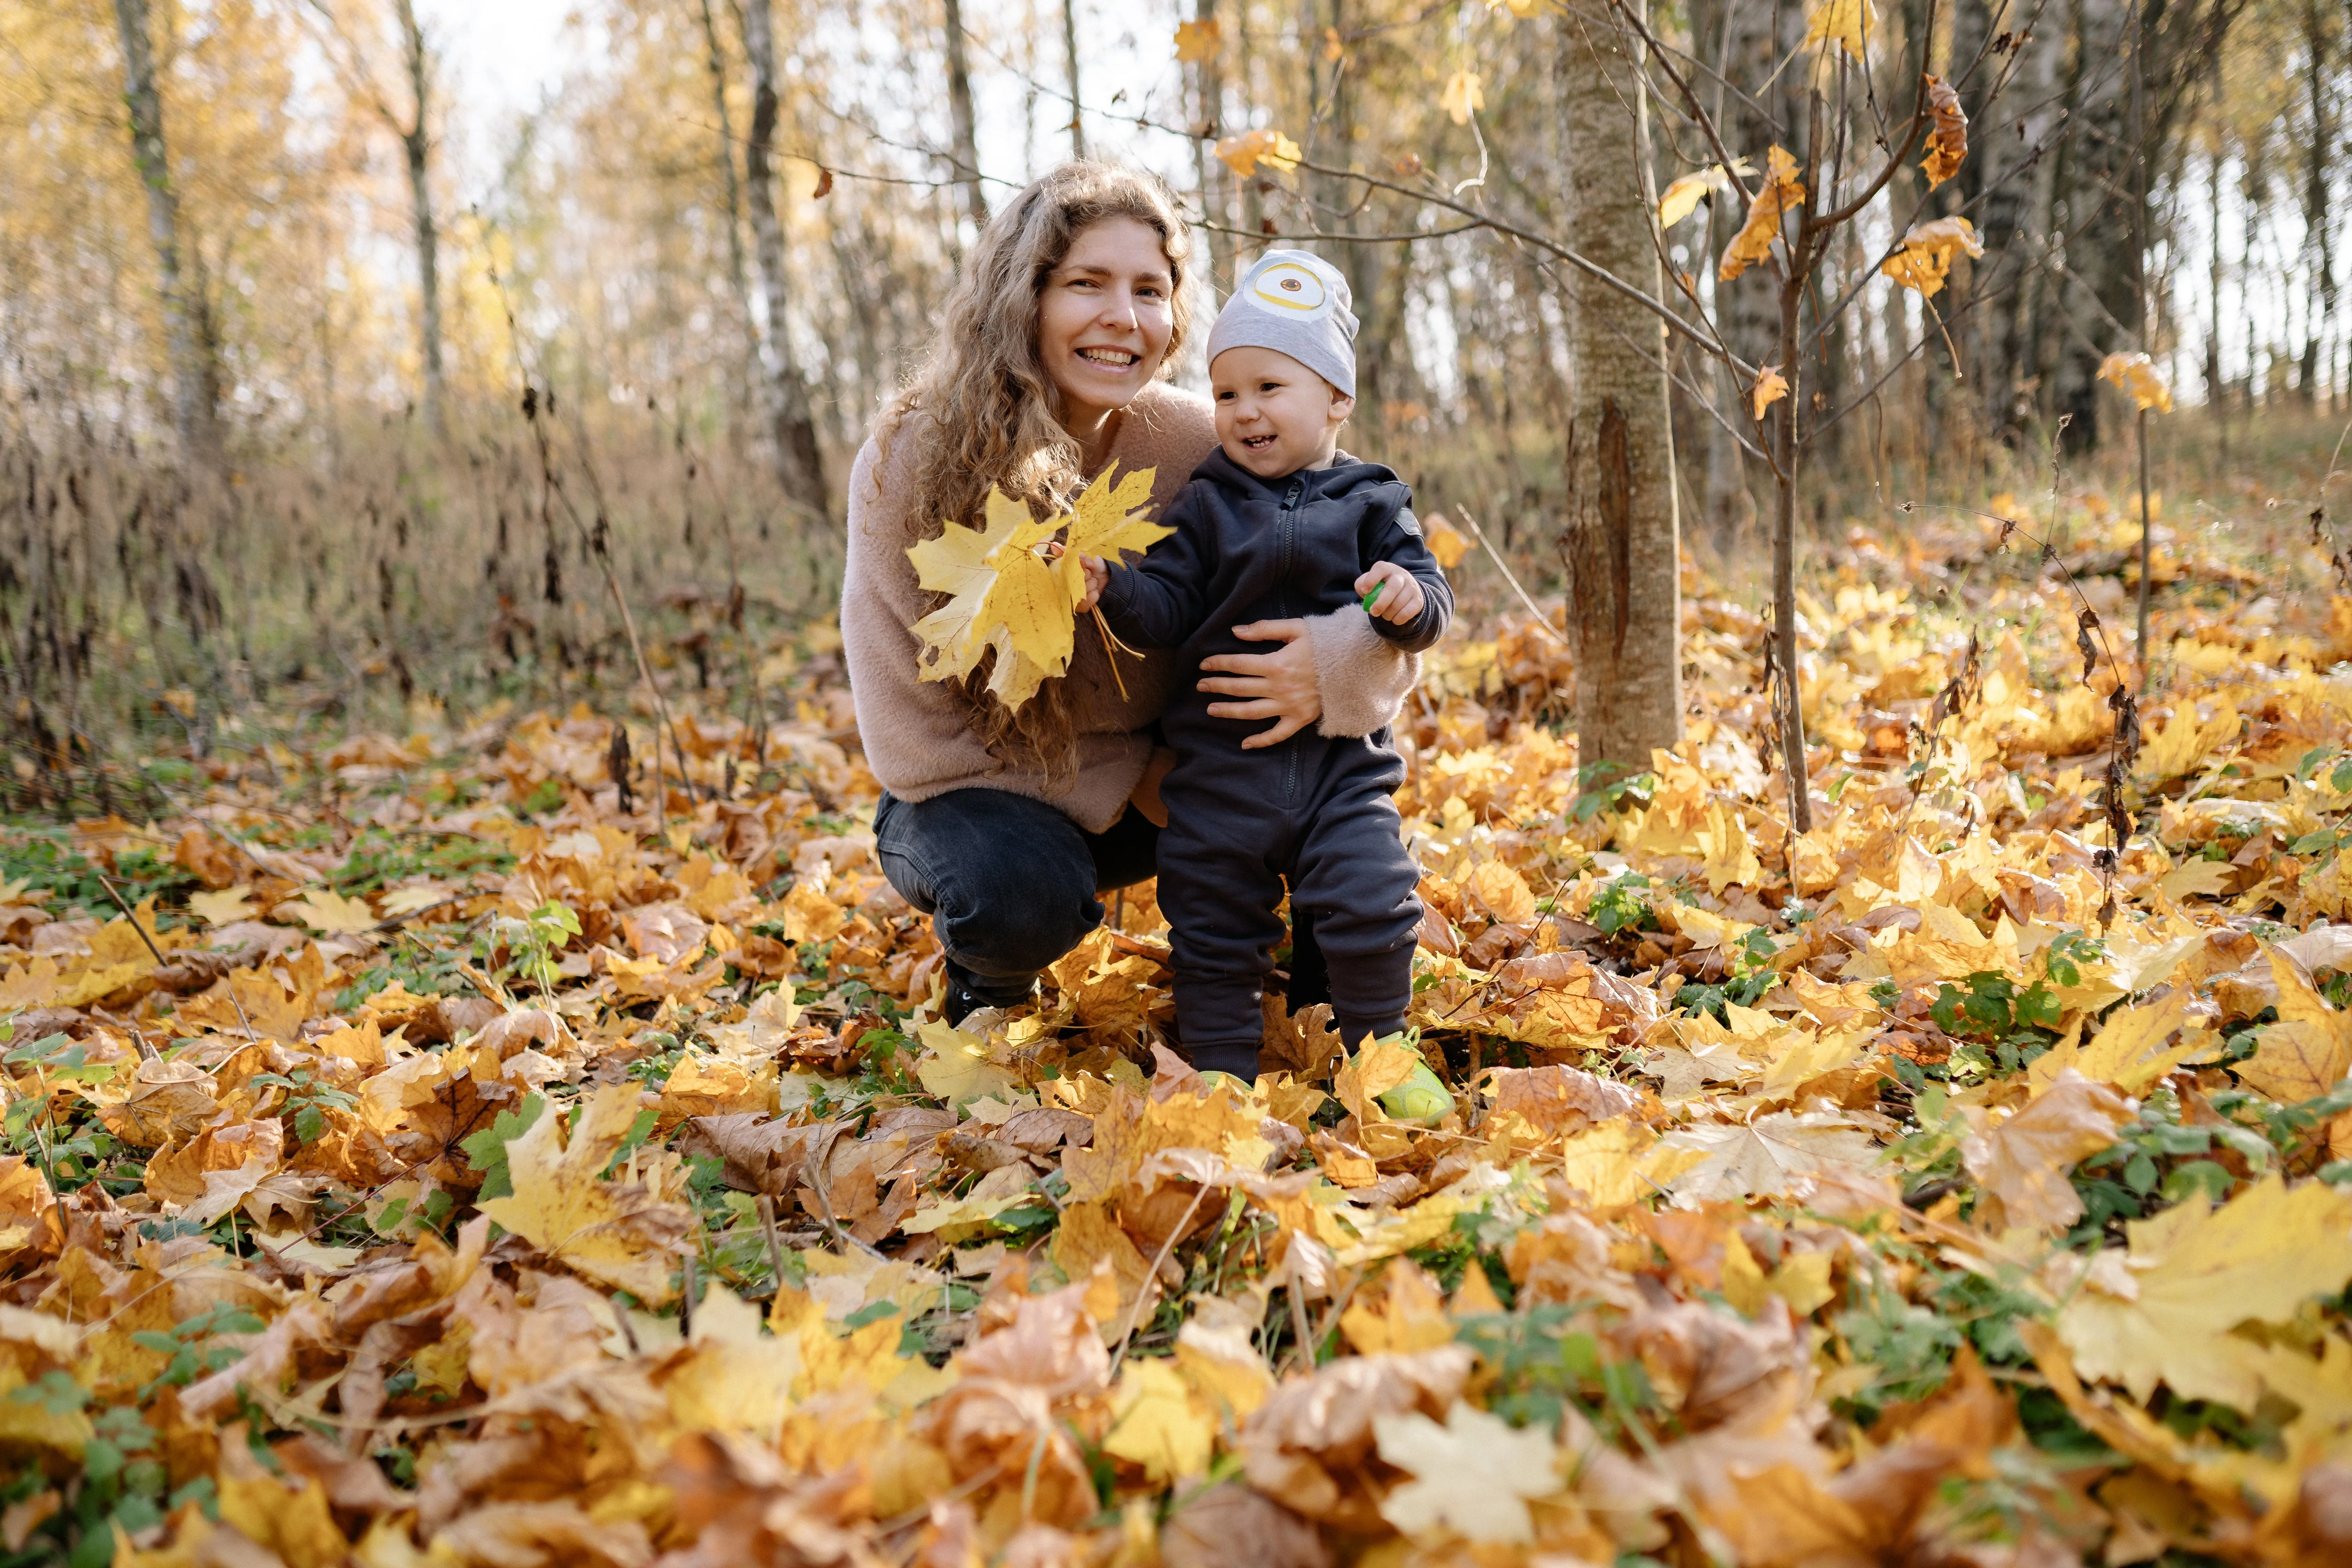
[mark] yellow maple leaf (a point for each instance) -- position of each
(1848, 23)
(1109, 522)
(1770, 388)
(324, 910)
(1244, 153)
(2192, 1274)
(2131, 1050)
(1197, 41)
(615, 1235)
(1780, 191)
(1925, 258)
(1464, 95)
(1158, 1422)
(2135, 374)
(2308, 1051)
(1001, 596)
(228, 905)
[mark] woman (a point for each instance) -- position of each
(1004, 825)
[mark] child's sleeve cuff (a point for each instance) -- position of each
(1362, 678)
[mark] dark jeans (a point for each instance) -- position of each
(1010, 883)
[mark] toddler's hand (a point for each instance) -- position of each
(1400, 598)
(1098, 576)
(1091, 569)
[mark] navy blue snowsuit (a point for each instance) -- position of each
(1315, 810)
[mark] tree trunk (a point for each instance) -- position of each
(738, 274)
(1208, 97)
(1623, 534)
(800, 466)
(2320, 317)
(417, 144)
(1070, 55)
(967, 142)
(187, 315)
(2013, 115)
(2101, 287)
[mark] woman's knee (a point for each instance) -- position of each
(1009, 882)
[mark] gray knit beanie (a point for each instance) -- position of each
(1296, 304)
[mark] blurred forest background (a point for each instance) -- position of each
(316, 385)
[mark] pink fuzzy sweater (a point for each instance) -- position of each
(922, 739)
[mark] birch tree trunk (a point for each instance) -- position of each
(416, 147)
(187, 316)
(1623, 537)
(960, 116)
(800, 466)
(1208, 96)
(1070, 56)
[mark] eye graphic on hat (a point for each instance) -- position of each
(1290, 286)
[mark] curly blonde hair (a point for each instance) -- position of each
(990, 416)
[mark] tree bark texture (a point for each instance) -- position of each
(2101, 287)
(1623, 537)
(1208, 97)
(1070, 56)
(737, 273)
(959, 120)
(800, 466)
(2013, 113)
(416, 147)
(188, 337)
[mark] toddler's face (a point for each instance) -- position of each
(1275, 417)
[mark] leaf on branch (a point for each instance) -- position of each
(1244, 153)
(1681, 199)
(1198, 41)
(1926, 257)
(1780, 191)
(2136, 375)
(1844, 22)
(1948, 143)
(1464, 96)
(1770, 388)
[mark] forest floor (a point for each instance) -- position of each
(424, 1150)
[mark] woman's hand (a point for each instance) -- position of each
(1280, 685)
(1145, 795)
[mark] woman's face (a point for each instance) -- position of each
(1105, 318)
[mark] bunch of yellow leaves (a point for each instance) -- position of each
(1003, 596)
(1780, 191)
(1925, 258)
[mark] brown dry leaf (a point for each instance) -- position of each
(2308, 1051)
(1948, 142)
(1925, 258)
(1244, 153)
(618, 1232)
(2023, 1162)
(1770, 387)
(1779, 191)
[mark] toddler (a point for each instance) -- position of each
(1279, 522)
